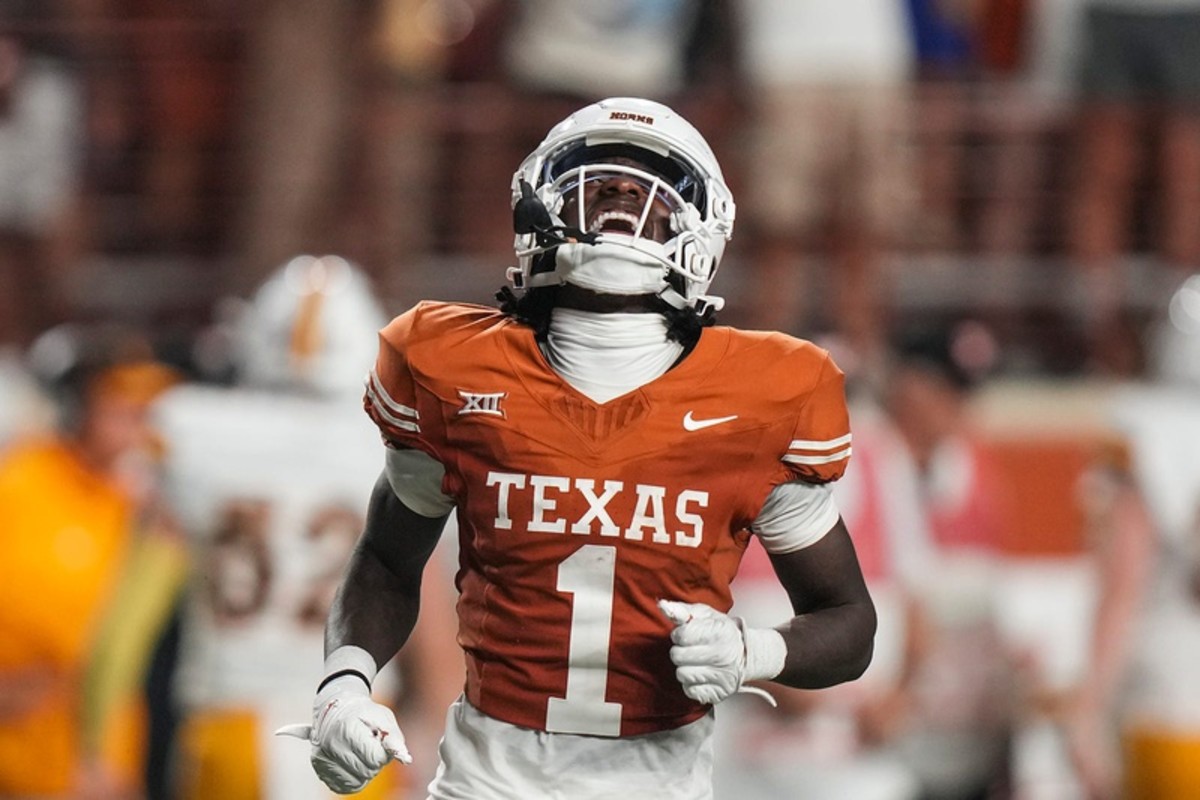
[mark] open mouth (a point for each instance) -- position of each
(614, 222)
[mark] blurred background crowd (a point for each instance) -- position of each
(989, 210)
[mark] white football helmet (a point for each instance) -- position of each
(312, 326)
(683, 173)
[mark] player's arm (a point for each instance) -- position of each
(373, 614)
(1121, 528)
(377, 604)
(831, 638)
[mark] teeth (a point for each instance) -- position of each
(605, 216)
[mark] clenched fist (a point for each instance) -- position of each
(352, 736)
(715, 654)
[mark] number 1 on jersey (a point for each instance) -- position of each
(587, 574)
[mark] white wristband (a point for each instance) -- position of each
(351, 657)
(766, 652)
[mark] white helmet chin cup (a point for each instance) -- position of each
(611, 267)
(685, 172)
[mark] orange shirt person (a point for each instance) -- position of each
(67, 520)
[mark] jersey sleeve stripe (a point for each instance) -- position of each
(382, 398)
(819, 444)
(387, 415)
(812, 460)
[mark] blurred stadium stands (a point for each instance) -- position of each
(184, 199)
(423, 167)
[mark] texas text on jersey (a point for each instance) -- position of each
(576, 517)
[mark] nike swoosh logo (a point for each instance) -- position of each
(691, 424)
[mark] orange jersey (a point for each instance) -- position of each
(575, 518)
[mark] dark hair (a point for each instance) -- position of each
(66, 360)
(963, 352)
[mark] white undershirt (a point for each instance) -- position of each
(608, 355)
(604, 356)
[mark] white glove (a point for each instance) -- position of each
(352, 736)
(715, 654)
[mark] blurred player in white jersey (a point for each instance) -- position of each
(1147, 636)
(272, 479)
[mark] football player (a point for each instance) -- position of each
(271, 478)
(1145, 507)
(608, 453)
